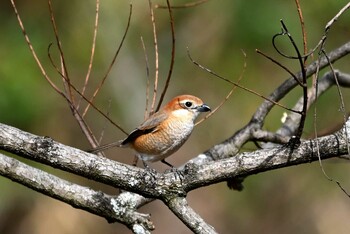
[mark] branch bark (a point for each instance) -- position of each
(188, 216)
(167, 187)
(120, 208)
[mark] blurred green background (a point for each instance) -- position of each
(293, 200)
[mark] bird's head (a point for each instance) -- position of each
(186, 106)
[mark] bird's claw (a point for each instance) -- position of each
(149, 172)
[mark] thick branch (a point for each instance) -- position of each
(120, 208)
(49, 152)
(157, 185)
(250, 163)
(166, 187)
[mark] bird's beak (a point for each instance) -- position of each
(203, 108)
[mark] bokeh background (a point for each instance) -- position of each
(292, 200)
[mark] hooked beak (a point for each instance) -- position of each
(203, 108)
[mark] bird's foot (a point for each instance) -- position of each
(166, 163)
(149, 171)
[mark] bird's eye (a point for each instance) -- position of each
(188, 104)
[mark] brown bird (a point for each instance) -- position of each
(164, 132)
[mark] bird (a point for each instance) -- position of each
(164, 132)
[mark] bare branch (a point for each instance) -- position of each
(236, 84)
(109, 207)
(299, 132)
(31, 48)
(162, 186)
(172, 60)
(229, 93)
(111, 64)
(155, 43)
(290, 83)
(92, 54)
(179, 206)
(147, 75)
(66, 79)
(335, 18)
(321, 43)
(342, 108)
(232, 145)
(327, 81)
(302, 24)
(280, 65)
(187, 5)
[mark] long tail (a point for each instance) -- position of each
(106, 146)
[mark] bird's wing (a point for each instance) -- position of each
(149, 125)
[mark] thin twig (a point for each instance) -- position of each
(229, 94)
(291, 122)
(104, 127)
(321, 44)
(327, 28)
(302, 24)
(172, 60)
(342, 108)
(335, 18)
(43, 71)
(92, 54)
(280, 65)
(99, 111)
(238, 85)
(64, 70)
(187, 5)
(136, 158)
(68, 86)
(83, 97)
(52, 61)
(155, 42)
(147, 76)
(111, 64)
(86, 130)
(304, 83)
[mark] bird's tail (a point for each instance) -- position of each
(105, 147)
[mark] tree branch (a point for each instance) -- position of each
(158, 185)
(180, 207)
(232, 145)
(147, 183)
(323, 84)
(112, 208)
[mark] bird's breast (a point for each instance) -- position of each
(164, 141)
